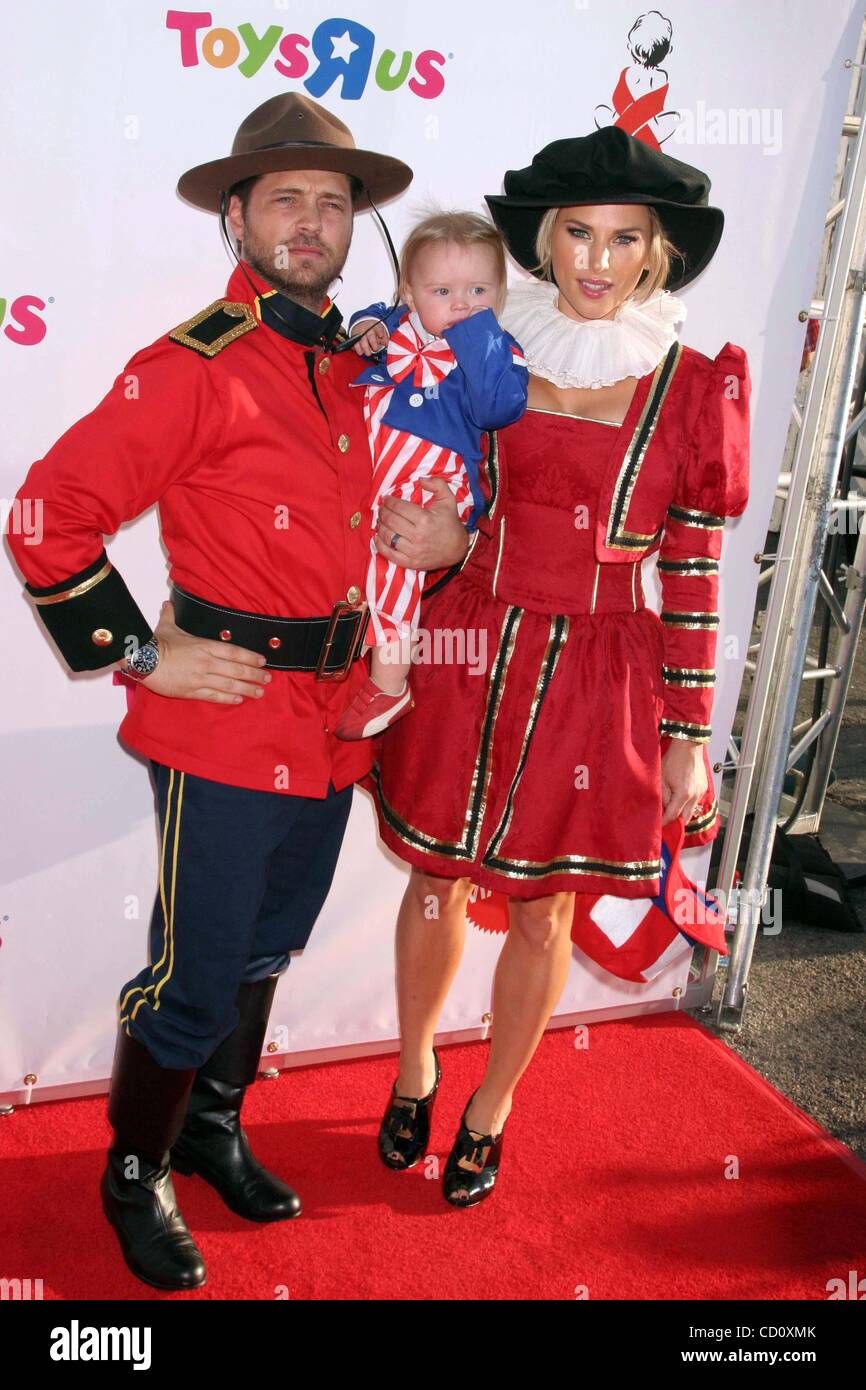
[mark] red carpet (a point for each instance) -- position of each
(613, 1180)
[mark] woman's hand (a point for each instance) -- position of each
(431, 537)
(195, 668)
(375, 337)
(684, 779)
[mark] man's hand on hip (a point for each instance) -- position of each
(431, 537)
(195, 668)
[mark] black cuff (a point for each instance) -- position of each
(91, 616)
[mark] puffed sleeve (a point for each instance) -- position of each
(712, 484)
(716, 476)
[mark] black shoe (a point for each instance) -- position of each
(472, 1165)
(405, 1130)
(146, 1106)
(212, 1143)
(154, 1238)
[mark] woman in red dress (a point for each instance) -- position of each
(549, 767)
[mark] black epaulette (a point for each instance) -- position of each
(215, 327)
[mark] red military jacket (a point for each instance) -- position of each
(259, 461)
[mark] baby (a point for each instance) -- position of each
(444, 373)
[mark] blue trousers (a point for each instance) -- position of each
(243, 875)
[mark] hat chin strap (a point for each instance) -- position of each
(319, 330)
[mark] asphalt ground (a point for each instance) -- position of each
(803, 1026)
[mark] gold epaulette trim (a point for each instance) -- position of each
(215, 327)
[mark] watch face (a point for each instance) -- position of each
(145, 659)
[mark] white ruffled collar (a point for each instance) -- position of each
(595, 352)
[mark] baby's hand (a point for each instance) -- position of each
(374, 338)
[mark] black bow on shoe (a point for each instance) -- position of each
(405, 1129)
(472, 1165)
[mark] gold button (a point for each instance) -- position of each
(355, 520)
(324, 364)
(225, 635)
(233, 311)
(101, 637)
(343, 443)
(354, 594)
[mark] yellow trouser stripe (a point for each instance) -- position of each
(167, 975)
(168, 918)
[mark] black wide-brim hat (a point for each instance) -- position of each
(610, 166)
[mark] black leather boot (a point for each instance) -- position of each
(146, 1107)
(212, 1143)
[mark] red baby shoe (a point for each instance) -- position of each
(372, 710)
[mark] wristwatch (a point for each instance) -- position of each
(143, 662)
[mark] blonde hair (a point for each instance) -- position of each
(456, 229)
(662, 251)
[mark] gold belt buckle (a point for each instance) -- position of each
(341, 672)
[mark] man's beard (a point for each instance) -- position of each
(308, 290)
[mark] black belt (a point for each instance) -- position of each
(327, 646)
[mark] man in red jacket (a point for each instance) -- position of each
(240, 423)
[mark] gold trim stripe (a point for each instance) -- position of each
(77, 590)
(678, 728)
(687, 677)
(167, 915)
(703, 621)
(617, 537)
(705, 821)
(689, 517)
(569, 415)
(498, 555)
(477, 803)
(559, 629)
(696, 564)
(594, 587)
(493, 470)
(167, 976)
(473, 538)
(622, 870)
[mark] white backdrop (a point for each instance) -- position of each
(104, 106)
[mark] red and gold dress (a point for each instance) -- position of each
(545, 690)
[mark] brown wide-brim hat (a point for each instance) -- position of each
(611, 166)
(292, 132)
